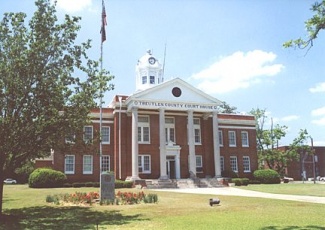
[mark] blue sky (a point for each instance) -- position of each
(231, 49)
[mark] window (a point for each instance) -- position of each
(144, 80)
(143, 129)
(152, 79)
(105, 134)
(220, 138)
(246, 164)
(170, 129)
(106, 163)
(69, 162)
(197, 131)
(144, 163)
(244, 139)
(87, 164)
(232, 138)
(70, 139)
(233, 164)
(88, 133)
(199, 166)
(222, 163)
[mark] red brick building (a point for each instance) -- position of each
(165, 130)
(306, 165)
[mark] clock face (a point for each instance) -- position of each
(177, 92)
(152, 60)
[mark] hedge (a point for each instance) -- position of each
(118, 184)
(240, 181)
(46, 178)
(267, 176)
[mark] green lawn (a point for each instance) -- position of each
(306, 189)
(26, 208)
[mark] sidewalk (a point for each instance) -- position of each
(231, 191)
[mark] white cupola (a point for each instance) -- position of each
(149, 72)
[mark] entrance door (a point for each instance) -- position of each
(170, 166)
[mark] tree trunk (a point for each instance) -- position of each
(1, 193)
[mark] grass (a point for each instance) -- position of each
(306, 189)
(26, 208)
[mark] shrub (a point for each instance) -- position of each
(240, 181)
(46, 178)
(229, 173)
(254, 182)
(151, 198)
(123, 184)
(78, 184)
(89, 184)
(267, 176)
(96, 184)
(67, 185)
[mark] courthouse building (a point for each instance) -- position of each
(165, 130)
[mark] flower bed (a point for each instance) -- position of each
(80, 198)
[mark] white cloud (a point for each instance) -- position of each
(72, 6)
(290, 118)
(320, 121)
(318, 112)
(320, 87)
(239, 70)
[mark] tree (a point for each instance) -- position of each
(226, 108)
(41, 99)
(313, 26)
(267, 144)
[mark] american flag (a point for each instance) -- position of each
(104, 22)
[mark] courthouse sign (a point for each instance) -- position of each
(175, 105)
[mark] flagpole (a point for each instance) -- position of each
(103, 38)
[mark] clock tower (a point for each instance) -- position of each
(149, 72)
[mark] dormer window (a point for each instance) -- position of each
(144, 80)
(152, 79)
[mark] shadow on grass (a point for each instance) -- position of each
(309, 227)
(47, 217)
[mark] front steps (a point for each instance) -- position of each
(185, 183)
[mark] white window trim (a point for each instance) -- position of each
(246, 144)
(249, 164)
(235, 144)
(168, 127)
(65, 164)
(141, 164)
(71, 139)
(91, 164)
(220, 138)
(234, 157)
(92, 133)
(201, 162)
(109, 163)
(197, 127)
(141, 125)
(222, 163)
(109, 135)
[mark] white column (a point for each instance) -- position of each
(177, 163)
(162, 147)
(135, 169)
(191, 145)
(216, 145)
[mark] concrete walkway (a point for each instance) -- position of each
(231, 191)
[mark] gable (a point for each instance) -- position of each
(175, 94)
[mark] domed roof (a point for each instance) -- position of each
(148, 60)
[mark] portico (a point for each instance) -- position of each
(150, 101)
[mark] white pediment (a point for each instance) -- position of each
(175, 94)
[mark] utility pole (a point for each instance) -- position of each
(313, 154)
